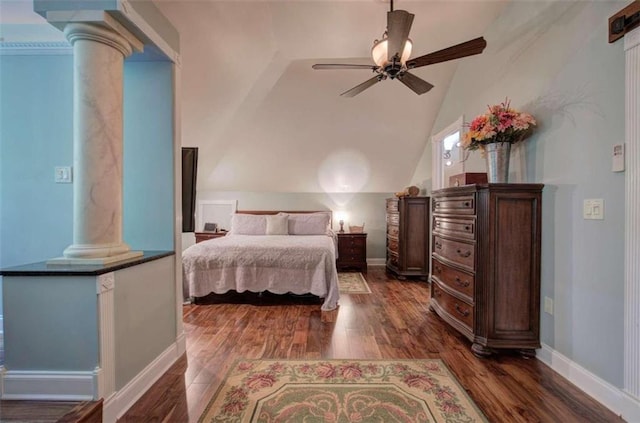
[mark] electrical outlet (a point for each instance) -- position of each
(548, 305)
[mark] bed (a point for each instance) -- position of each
(277, 252)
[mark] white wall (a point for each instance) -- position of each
(367, 208)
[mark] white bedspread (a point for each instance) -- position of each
(299, 264)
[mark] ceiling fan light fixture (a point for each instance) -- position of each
(379, 52)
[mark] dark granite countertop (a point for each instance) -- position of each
(43, 268)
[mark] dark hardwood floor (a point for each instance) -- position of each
(393, 321)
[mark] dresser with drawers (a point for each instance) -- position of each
(485, 264)
(408, 236)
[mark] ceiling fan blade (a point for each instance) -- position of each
(469, 48)
(398, 27)
(329, 66)
(360, 88)
(418, 85)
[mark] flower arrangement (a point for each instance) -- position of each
(500, 124)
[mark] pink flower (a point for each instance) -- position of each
(325, 370)
(236, 394)
(432, 366)
(500, 124)
(305, 368)
(259, 381)
(351, 371)
(419, 381)
(371, 368)
(400, 368)
(450, 407)
(233, 407)
(445, 394)
(276, 367)
(245, 365)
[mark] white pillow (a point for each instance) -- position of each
(277, 225)
(248, 224)
(309, 223)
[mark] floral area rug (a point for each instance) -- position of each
(352, 283)
(340, 391)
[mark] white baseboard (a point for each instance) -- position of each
(1, 325)
(602, 391)
(118, 404)
(376, 261)
(49, 386)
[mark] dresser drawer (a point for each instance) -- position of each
(454, 251)
(463, 228)
(392, 206)
(456, 205)
(456, 308)
(392, 244)
(393, 219)
(456, 280)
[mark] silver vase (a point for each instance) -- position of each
(497, 155)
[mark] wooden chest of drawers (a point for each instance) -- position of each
(485, 278)
(352, 251)
(408, 236)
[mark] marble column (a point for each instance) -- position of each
(99, 54)
(632, 215)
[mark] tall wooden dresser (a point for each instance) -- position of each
(408, 225)
(485, 278)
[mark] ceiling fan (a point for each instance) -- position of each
(391, 56)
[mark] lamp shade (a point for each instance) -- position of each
(379, 52)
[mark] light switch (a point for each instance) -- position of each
(63, 175)
(593, 209)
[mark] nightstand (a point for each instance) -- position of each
(203, 236)
(352, 251)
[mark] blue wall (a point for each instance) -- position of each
(553, 59)
(148, 156)
(36, 134)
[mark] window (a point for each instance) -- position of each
(447, 157)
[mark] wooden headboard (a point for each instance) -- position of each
(288, 212)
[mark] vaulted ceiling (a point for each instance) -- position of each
(265, 121)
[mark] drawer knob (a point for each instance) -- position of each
(463, 313)
(467, 228)
(462, 283)
(464, 254)
(467, 203)
(438, 245)
(437, 292)
(438, 269)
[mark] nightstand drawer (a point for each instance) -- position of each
(204, 236)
